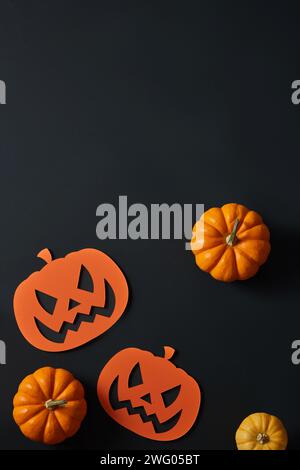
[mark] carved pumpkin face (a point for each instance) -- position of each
(71, 300)
(148, 394)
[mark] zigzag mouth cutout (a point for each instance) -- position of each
(60, 336)
(159, 427)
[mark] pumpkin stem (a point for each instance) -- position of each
(45, 255)
(262, 438)
(52, 404)
(230, 239)
(169, 352)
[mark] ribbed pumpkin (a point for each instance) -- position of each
(230, 242)
(261, 431)
(49, 405)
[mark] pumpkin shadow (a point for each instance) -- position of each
(294, 440)
(130, 293)
(197, 420)
(97, 431)
(199, 416)
(281, 271)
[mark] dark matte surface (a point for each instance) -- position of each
(164, 102)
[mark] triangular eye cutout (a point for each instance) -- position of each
(47, 302)
(147, 398)
(85, 282)
(135, 377)
(72, 304)
(169, 396)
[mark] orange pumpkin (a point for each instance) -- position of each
(230, 242)
(148, 394)
(56, 311)
(49, 405)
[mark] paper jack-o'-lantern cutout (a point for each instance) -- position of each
(148, 394)
(71, 300)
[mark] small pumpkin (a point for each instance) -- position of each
(261, 431)
(230, 242)
(49, 405)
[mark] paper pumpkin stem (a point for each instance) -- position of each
(169, 352)
(45, 255)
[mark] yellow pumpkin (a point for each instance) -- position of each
(261, 431)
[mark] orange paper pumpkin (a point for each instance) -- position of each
(148, 394)
(56, 311)
(230, 242)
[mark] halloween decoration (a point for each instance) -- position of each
(148, 394)
(71, 300)
(230, 242)
(261, 431)
(49, 405)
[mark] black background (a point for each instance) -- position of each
(174, 101)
